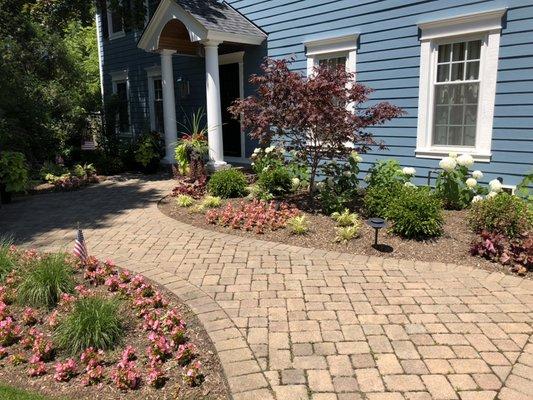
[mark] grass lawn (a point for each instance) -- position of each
(9, 393)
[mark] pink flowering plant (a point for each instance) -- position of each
(65, 371)
(193, 374)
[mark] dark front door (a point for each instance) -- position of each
(229, 92)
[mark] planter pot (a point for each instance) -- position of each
(5, 196)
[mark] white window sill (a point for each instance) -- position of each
(438, 153)
(117, 35)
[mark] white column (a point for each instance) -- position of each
(169, 106)
(214, 111)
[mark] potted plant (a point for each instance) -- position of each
(148, 153)
(192, 147)
(13, 174)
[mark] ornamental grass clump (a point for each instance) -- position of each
(227, 183)
(501, 214)
(43, 281)
(416, 213)
(93, 322)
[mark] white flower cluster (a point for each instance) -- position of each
(409, 171)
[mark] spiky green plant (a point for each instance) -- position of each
(92, 322)
(298, 225)
(346, 218)
(184, 201)
(211, 202)
(7, 259)
(346, 233)
(43, 281)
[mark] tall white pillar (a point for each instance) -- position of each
(214, 110)
(169, 106)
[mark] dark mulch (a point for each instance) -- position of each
(452, 247)
(214, 386)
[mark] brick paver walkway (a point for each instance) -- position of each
(292, 323)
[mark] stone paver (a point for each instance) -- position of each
(296, 323)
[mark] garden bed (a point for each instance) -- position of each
(452, 247)
(136, 334)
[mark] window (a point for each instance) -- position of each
(338, 51)
(458, 71)
(155, 99)
(121, 90)
(115, 23)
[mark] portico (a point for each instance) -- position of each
(196, 29)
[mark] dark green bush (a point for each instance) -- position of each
(227, 183)
(7, 261)
(416, 213)
(504, 214)
(92, 322)
(43, 281)
(277, 181)
(378, 198)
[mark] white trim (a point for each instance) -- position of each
(122, 77)
(236, 58)
(461, 25)
(152, 73)
(435, 33)
(340, 46)
(113, 35)
(169, 10)
(99, 35)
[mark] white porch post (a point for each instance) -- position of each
(214, 111)
(169, 106)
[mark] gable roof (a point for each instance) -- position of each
(205, 20)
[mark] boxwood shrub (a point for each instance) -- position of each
(227, 183)
(277, 181)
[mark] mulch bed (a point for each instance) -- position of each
(452, 247)
(213, 387)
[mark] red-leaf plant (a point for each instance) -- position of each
(318, 115)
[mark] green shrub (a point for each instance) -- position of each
(346, 218)
(184, 201)
(43, 281)
(50, 168)
(14, 173)
(378, 198)
(211, 202)
(227, 183)
(416, 213)
(504, 214)
(277, 181)
(7, 261)
(385, 173)
(92, 322)
(347, 233)
(298, 225)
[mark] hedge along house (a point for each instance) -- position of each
(461, 69)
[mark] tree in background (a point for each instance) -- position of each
(321, 117)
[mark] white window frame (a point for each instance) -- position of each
(340, 46)
(485, 26)
(122, 77)
(153, 73)
(113, 35)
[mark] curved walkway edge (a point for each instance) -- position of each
(298, 323)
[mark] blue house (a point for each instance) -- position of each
(461, 69)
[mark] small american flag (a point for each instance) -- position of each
(80, 250)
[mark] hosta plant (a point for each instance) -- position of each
(298, 225)
(346, 218)
(184, 200)
(346, 233)
(211, 202)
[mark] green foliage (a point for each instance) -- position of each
(184, 201)
(50, 168)
(192, 147)
(10, 393)
(277, 181)
(211, 202)
(523, 189)
(298, 225)
(43, 281)
(13, 171)
(416, 213)
(227, 183)
(84, 171)
(502, 214)
(346, 218)
(347, 233)
(385, 173)
(149, 149)
(92, 322)
(377, 199)
(7, 260)
(341, 186)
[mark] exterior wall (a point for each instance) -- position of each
(388, 60)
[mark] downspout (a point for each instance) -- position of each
(100, 55)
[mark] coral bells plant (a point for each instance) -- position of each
(193, 375)
(257, 215)
(318, 115)
(65, 371)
